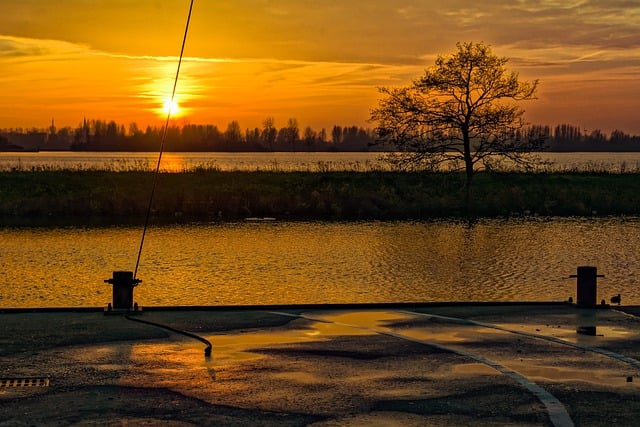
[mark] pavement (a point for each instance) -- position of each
(443, 365)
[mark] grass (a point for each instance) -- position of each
(87, 196)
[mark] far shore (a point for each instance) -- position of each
(85, 197)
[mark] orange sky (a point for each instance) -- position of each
(319, 62)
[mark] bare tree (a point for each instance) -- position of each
(233, 134)
(292, 133)
(456, 114)
(269, 132)
(309, 136)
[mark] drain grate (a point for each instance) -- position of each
(24, 382)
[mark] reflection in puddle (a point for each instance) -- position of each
(300, 377)
(568, 374)
(172, 361)
(614, 332)
(536, 372)
(474, 368)
(567, 330)
(96, 354)
(368, 319)
(540, 364)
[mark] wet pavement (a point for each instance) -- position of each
(442, 366)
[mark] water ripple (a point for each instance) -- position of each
(272, 263)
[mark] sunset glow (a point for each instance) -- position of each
(170, 107)
(247, 60)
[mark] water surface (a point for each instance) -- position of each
(278, 161)
(320, 262)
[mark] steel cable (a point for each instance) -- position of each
(162, 142)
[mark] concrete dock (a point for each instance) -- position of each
(445, 365)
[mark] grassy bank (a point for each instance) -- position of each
(102, 196)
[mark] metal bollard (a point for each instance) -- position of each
(587, 286)
(123, 284)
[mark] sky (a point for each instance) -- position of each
(318, 61)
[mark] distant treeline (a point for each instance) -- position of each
(100, 135)
(566, 137)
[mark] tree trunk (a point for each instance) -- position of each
(468, 165)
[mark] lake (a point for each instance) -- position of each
(314, 162)
(322, 262)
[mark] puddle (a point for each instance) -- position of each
(95, 354)
(530, 369)
(539, 368)
(300, 377)
(180, 360)
(609, 377)
(445, 334)
(614, 332)
(233, 348)
(368, 319)
(111, 366)
(474, 368)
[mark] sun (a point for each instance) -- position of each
(171, 107)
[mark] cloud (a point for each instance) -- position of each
(11, 48)
(383, 31)
(23, 48)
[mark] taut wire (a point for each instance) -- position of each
(162, 142)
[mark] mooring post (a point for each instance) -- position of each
(587, 297)
(587, 286)
(123, 284)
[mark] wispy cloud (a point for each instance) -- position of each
(27, 48)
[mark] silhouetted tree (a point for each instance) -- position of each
(292, 133)
(233, 134)
(336, 135)
(322, 136)
(269, 132)
(134, 130)
(252, 140)
(596, 136)
(618, 136)
(309, 136)
(566, 133)
(456, 111)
